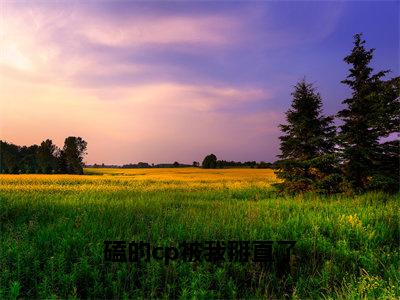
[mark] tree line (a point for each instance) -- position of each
(141, 165)
(211, 162)
(207, 164)
(45, 158)
(360, 153)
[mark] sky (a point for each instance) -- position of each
(174, 81)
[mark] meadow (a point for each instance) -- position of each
(53, 229)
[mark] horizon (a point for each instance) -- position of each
(163, 82)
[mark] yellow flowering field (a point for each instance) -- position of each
(110, 179)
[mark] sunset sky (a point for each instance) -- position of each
(166, 81)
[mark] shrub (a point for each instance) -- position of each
(384, 183)
(320, 174)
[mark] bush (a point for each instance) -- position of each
(383, 183)
(332, 183)
(320, 174)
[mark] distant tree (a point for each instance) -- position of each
(308, 138)
(28, 162)
(3, 146)
(175, 164)
(195, 164)
(46, 157)
(15, 159)
(73, 153)
(62, 166)
(210, 162)
(264, 165)
(143, 165)
(366, 117)
(251, 164)
(219, 164)
(9, 157)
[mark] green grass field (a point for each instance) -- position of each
(53, 228)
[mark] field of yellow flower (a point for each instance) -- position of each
(53, 229)
(109, 179)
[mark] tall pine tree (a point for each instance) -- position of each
(308, 133)
(360, 131)
(308, 138)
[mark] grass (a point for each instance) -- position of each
(53, 228)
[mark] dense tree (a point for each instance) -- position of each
(9, 157)
(28, 159)
(195, 164)
(46, 157)
(264, 165)
(370, 114)
(15, 159)
(308, 143)
(210, 162)
(62, 166)
(73, 153)
(224, 164)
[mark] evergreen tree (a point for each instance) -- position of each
(363, 116)
(308, 134)
(308, 138)
(386, 170)
(386, 107)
